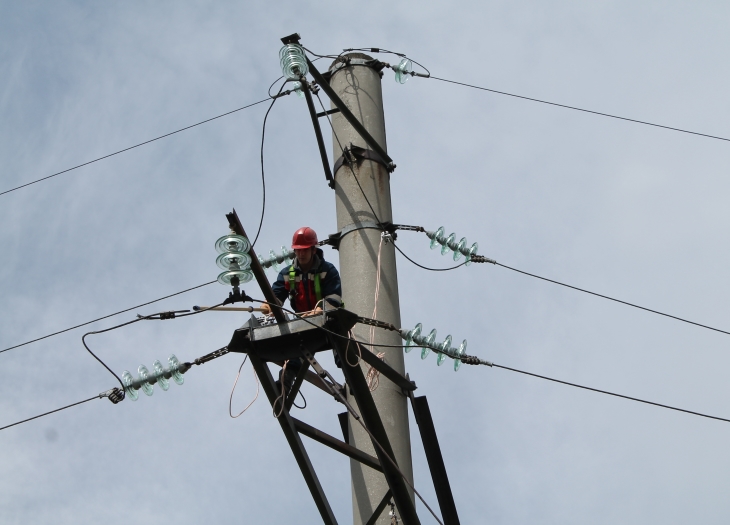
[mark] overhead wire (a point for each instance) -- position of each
(492, 364)
(100, 396)
(106, 317)
(613, 299)
(135, 146)
(636, 121)
(609, 393)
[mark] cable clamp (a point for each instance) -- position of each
(482, 259)
(115, 395)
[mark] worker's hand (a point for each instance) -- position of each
(316, 311)
(265, 309)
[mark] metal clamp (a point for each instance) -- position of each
(335, 238)
(356, 153)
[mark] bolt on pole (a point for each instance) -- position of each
(359, 86)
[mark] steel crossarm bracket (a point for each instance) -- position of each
(435, 459)
(277, 342)
(352, 119)
(371, 418)
(318, 132)
(294, 440)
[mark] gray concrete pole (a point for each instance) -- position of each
(359, 88)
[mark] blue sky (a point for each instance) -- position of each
(626, 210)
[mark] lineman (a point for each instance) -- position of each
(310, 280)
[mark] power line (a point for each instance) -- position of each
(135, 146)
(583, 110)
(106, 317)
(475, 259)
(57, 410)
(609, 393)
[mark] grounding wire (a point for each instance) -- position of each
(613, 299)
(583, 110)
(135, 146)
(105, 317)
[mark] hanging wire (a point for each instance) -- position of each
(139, 318)
(263, 178)
(230, 400)
(426, 267)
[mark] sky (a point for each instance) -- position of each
(630, 211)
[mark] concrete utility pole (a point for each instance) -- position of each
(359, 87)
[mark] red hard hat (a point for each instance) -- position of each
(304, 238)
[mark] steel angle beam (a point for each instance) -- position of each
(318, 133)
(336, 444)
(352, 119)
(435, 460)
(235, 224)
(380, 508)
(371, 418)
(292, 436)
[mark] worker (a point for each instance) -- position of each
(308, 283)
(310, 280)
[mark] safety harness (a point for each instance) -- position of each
(293, 284)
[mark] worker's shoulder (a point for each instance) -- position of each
(326, 266)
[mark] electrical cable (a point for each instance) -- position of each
(381, 50)
(426, 267)
(105, 317)
(583, 110)
(487, 363)
(230, 400)
(612, 299)
(611, 393)
(263, 179)
(135, 146)
(51, 412)
(140, 318)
